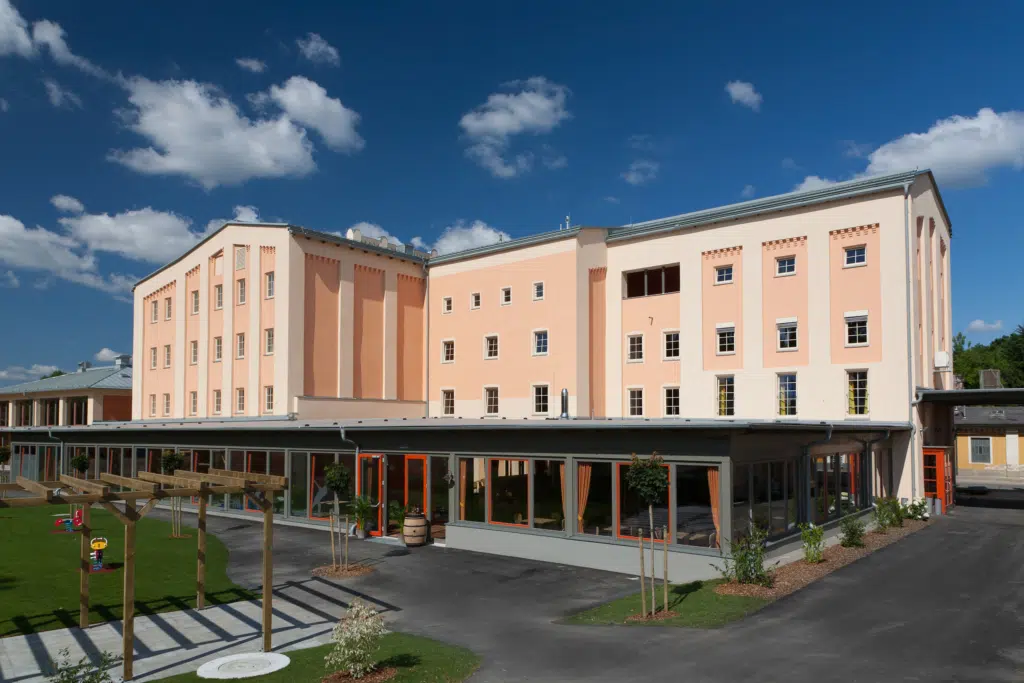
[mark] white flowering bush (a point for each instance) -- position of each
(356, 639)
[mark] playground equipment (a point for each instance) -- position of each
(98, 545)
(69, 523)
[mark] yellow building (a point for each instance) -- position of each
(987, 443)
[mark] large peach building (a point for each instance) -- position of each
(770, 351)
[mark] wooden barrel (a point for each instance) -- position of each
(415, 529)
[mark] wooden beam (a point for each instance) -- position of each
(208, 478)
(182, 482)
(85, 485)
(84, 568)
(125, 517)
(35, 487)
(147, 508)
(11, 487)
(201, 555)
(129, 482)
(268, 578)
(251, 476)
(128, 623)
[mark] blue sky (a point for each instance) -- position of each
(127, 133)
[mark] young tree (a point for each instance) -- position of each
(338, 482)
(80, 466)
(648, 479)
(169, 462)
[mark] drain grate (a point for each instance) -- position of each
(243, 666)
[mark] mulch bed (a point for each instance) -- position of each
(792, 577)
(658, 616)
(339, 572)
(373, 677)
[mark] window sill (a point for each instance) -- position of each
(857, 346)
(788, 350)
(670, 359)
(725, 353)
(634, 360)
(268, 353)
(785, 274)
(726, 282)
(854, 265)
(447, 362)
(859, 416)
(490, 358)
(535, 354)
(219, 308)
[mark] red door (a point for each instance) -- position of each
(938, 476)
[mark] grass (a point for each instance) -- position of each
(418, 660)
(696, 603)
(39, 571)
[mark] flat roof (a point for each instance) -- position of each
(972, 397)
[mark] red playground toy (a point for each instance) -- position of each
(66, 525)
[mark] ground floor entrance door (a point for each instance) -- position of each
(938, 476)
(371, 484)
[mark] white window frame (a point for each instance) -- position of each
(783, 323)
(218, 297)
(152, 405)
(856, 317)
(497, 346)
(533, 398)
(268, 341)
(167, 355)
(497, 389)
(664, 400)
(629, 402)
(629, 350)
(970, 450)
(240, 400)
(152, 358)
(217, 402)
(778, 266)
(664, 345)
(444, 392)
(168, 308)
(721, 269)
(195, 301)
(542, 288)
(547, 342)
(268, 398)
(718, 379)
(154, 311)
(241, 295)
(778, 394)
(474, 301)
(858, 264)
(193, 403)
(240, 345)
(867, 394)
(218, 349)
(720, 329)
(167, 404)
(193, 352)
(447, 305)
(506, 301)
(443, 360)
(269, 284)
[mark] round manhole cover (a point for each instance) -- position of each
(243, 666)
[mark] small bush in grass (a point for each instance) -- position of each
(356, 639)
(84, 671)
(813, 538)
(852, 529)
(746, 561)
(888, 514)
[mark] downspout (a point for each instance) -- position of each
(910, 344)
(806, 448)
(60, 466)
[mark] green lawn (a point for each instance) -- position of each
(418, 660)
(39, 571)
(697, 604)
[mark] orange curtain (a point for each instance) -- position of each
(583, 492)
(462, 489)
(853, 473)
(561, 484)
(713, 489)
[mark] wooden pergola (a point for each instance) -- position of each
(147, 488)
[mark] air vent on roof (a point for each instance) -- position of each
(990, 379)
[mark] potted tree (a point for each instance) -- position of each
(361, 508)
(79, 463)
(648, 479)
(338, 482)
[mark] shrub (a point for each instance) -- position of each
(79, 463)
(813, 537)
(916, 510)
(356, 639)
(171, 461)
(888, 514)
(852, 532)
(746, 561)
(82, 672)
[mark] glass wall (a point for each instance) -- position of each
(766, 494)
(510, 491)
(472, 489)
(697, 511)
(634, 515)
(438, 496)
(594, 499)
(299, 480)
(549, 494)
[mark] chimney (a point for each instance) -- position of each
(565, 405)
(354, 234)
(123, 361)
(84, 365)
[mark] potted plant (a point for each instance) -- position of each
(361, 508)
(338, 482)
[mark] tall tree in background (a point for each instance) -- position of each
(1005, 354)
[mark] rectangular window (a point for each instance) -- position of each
(540, 399)
(491, 400)
(697, 506)
(152, 405)
(218, 349)
(857, 330)
(218, 297)
(193, 352)
(723, 275)
(167, 355)
(594, 493)
(633, 513)
(239, 400)
(268, 399)
(448, 351)
(167, 404)
(491, 346)
(268, 341)
(193, 403)
(785, 265)
(653, 281)
(241, 291)
(636, 402)
(671, 401)
(857, 392)
(509, 483)
(726, 396)
(447, 401)
(538, 291)
(981, 450)
(540, 343)
(506, 296)
(472, 483)
(239, 258)
(726, 340)
(154, 311)
(195, 302)
(152, 358)
(216, 401)
(787, 394)
(240, 345)
(446, 305)
(635, 347)
(168, 308)
(855, 256)
(474, 300)
(671, 345)
(269, 285)
(549, 494)
(787, 336)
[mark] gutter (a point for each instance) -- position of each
(912, 402)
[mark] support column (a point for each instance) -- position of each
(201, 561)
(83, 568)
(268, 574)
(128, 620)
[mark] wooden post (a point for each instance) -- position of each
(654, 596)
(268, 574)
(664, 576)
(346, 542)
(334, 555)
(201, 558)
(643, 578)
(83, 569)
(128, 623)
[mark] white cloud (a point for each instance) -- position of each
(243, 214)
(59, 97)
(4, 106)
(813, 182)
(960, 150)
(10, 280)
(317, 50)
(460, 236)
(790, 165)
(251, 64)
(536, 106)
(142, 234)
(51, 36)
(197, 132)
(641, 171)
(106, 355)
(307, 103)
(17, 373)
(611, 200)
(854, 149)
(67, 204)
(980, 326)
(14, 35)
(748, 191)
(744, 93)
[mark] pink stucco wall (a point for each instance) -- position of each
(721, 304)
(368, 333)
(320, 361)
(651, 316)
(268, 257)
(784, 296)
(215, 328)
(597, 280)
(855, 289)
(240, 324)
(191, 334)
(411, 333)
(159, 334)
